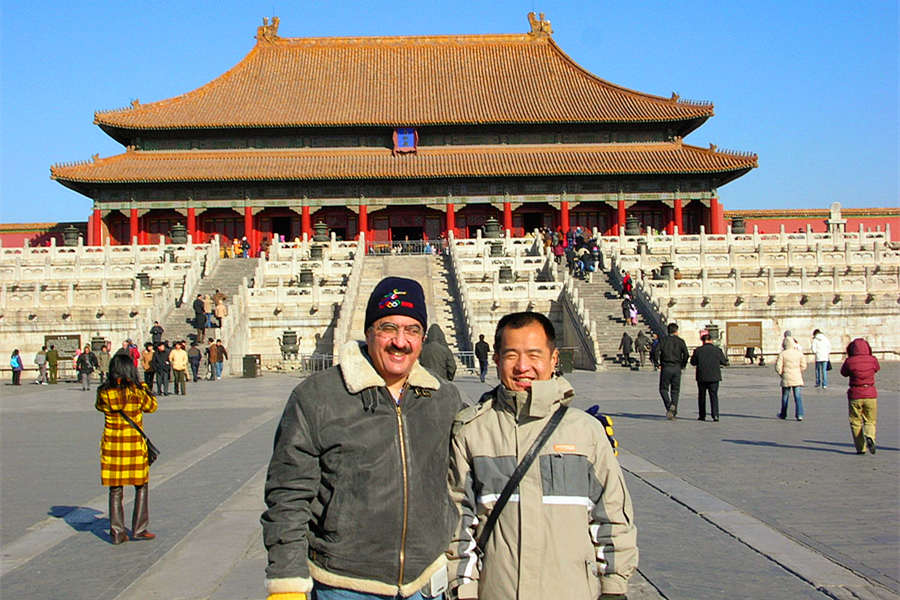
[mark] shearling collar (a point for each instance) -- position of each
(359, 374)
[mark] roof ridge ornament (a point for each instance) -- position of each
(539, 27)
(266, 31)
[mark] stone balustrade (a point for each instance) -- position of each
(277, 272)
(480, 246)
(300, 250)
(748, 259)
(348, 303)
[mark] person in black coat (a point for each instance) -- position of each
(708, 358)
(673, 357)
(161, 369)
(482, 350)
(436, 354)
(199, 316)
(626, 346)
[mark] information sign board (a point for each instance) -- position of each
(66, 344)
(744, 334)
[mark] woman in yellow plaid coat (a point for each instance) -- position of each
(123, 452)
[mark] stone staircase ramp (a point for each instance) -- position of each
(428, 270)
(226, 277)
(604, 302)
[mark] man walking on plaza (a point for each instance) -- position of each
(147, 365)
(194, 358)
(40, 359)
(568, 531)
(821, 347)
(358, 505)
(53, 363)
(178, 358)
(161, 369)
(482, 349)
(217, 356)
(708, 358)
(103, 362)
(673, 357)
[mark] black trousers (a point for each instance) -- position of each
(713, 388)
(148, 379)
(670, 386)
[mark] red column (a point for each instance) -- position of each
(715, 216)
(564, 215)
(305, 225)
(192, 224)
(670, 225)
(97, 231)
(132, 225)
(507, 216)
(620, 210)
(248, 228)
(451, 219)
(678, 217)
(364, 223)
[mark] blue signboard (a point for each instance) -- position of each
(405, 139)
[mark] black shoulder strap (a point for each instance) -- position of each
(133, 424)
(516, 477)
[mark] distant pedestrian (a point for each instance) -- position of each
(147, 365)
(156, 333)
(208, 311)
(53, 362)
(199, 316)
(178, 358)
(123, 452)
(436, 354)
(861, 366)
(709, 360)
(626, 310)
(625, 345)
(161, 369)
(103, 357)
(220, 355)
(642, 346)
(633, 314)
(654, 351)
(627, 285)
(194, 358)
(821, 347)
(221, 311)
(40, 359)
(15, 363)
(790, 365)
(673, 357)
(245, 247)
(85, 365)
(482, 350)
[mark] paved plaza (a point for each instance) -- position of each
(749, 507)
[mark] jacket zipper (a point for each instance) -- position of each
(405, 494)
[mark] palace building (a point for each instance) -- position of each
(403, 138)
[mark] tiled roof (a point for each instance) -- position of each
(403, 81)
(428, 163)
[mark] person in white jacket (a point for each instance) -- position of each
(821, 347)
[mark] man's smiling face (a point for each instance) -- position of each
(394, 345)
(524, 356)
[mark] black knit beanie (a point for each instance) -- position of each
(396, 296)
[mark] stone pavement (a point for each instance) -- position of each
(750, 507)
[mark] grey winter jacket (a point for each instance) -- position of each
(357, 485)
(436, 354)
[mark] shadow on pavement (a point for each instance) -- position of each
(82, 518)
(777, 445)
(850, 444)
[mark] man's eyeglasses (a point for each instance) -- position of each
(392, 330)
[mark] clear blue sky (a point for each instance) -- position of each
(810, 86)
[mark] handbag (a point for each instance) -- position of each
(516, 477)
(152, 451)
(828, 365)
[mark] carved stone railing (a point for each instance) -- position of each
(584, 328)
(467, 313)
(300, 249)
(351, 294)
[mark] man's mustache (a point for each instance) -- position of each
(393, 348)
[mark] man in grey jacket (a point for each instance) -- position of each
(357, 485)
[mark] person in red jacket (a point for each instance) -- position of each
(861, 367)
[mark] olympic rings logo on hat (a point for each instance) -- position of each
(393, 300)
